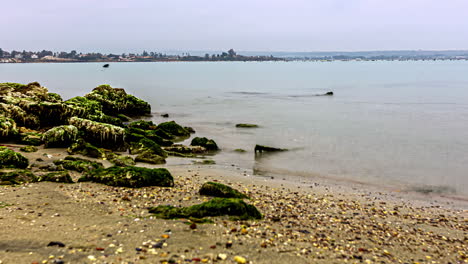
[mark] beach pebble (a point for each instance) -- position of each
(240, 260)
(222, 256)
(56, 243)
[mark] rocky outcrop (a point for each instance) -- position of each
(101, 134)
(11, 159)
(60, 136)
(208, 144)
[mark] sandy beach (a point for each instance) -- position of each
(304, 222)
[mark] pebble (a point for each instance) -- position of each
(240, 260)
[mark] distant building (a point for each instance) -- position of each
(18, 56)
(34, 56)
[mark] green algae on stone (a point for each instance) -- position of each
(119, 160)
(142, 124)
(12, 159)
(58, 176)
(8, 128)
(78, 164)
(147, 145)
(204, 162)
(31, 138)
(182, 149)
(220, 190)
(247, 125)
(209, 144)
(21, 117)
(86, 149)
(29, 149)
(60, 136)
(130, 176)
(149, 157)
(134, 134)
(233, 207)
(240, 150)
(16, 176)
(101, 134)
(173, 129)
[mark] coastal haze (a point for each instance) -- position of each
(399, 125)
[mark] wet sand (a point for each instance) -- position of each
(304, 222)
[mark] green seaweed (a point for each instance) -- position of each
(16, 176)
(220, 190)
(172, 130)
(11, 159)
(204, 162)
(29, 149)
(78, 164)
(31, 138)
(60, 136)
(86, 149)
(120, 160)
(8, 128)
(101, 134)
(147, 145)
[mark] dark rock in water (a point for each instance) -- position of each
(60, 136)
(247, 125)
(173, 130)
(12, 159)
(327, 94)
(260, 148)
(86, 149)
(130, 177)
(16, 176)
(29, 149)
(220, 190)
(165, 115)
(190, 130)
(209, 144)
(56, 244)
(78, 164)
(105, 65)
(149, 157)
(233, 207)
(59, 176)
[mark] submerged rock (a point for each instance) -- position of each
(60, 136)
(130, 177)
(220, 190)
(101, 134)
(209, 144)
(260, 148)
(134, 134)
(78, 164)
(16, 176)
(59, 176)
(247, 125)
(216, 207)
(11, 159)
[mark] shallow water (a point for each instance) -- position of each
(398, 124)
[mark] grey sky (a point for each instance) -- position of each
(262, 25)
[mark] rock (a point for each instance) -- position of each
(83, 107)
(78, 164)
(147, 145)
(86, 149)
(165, 115)
(261, 148)
(117, 101)
(29, 149)
(11, 159)
(19, 115)
(8, 128)
(246, 125)
(172, 130)
(130, 177)
(233, 207)
(135, 134)
(119, 160)
(220, 190)
(59, 176)
(149, 157)
(190, 130)
(16, 176)
(328, 93)
(101, 134)
(209, 144)
(240, 150)
(60, 136)
(186, 150)
(56, 244)
(205, 162)
(31, 138)
(142, 124)
(240, 260)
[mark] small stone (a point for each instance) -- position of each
(193, 226)
(229, 244)
(222, 256)
(56, 243)
(240, 260)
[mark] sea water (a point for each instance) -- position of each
(402, 124)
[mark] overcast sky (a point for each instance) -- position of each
(248, 25)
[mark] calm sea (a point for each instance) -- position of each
(398, 124)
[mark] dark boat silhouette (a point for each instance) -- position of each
(106, 66)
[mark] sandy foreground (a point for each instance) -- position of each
(304, 222)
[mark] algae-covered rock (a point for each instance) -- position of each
(172, 129)
(240, 150)
(135, 134)
(16, 176)
(247, 125)
(29, 149)
(147, 145)
(101, 134)
(21, 117)
(209, 144)
(204, 162)
(142, 124)
(58, 176)
(78, 164)
(11, 159)
(117, 101)
(31, 138)
(130, 177)
(261, 148)
(60, 136)
(216, 207)
(7, 128)
(120, 160)
(148, 157)
(220, 190)
(182, 149)
(86, 149)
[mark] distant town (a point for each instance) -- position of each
(230, 55)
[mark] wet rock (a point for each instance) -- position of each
(260, 148)
(8, 128)
(247, 125)
(60, 136)
(78, 164)
(209, 144)
(188, 151)
(130, 177)
(59, 176)
(146, 145)
(240, 150)
(101, 134)
(149, 157)
(16, 176)
(205, 162)
(12, 159)
(31, 138)
(220, 190)
(29, 149)
(86, 149)
(165, 115)
(119, 160)
(134, 134)
(56, 244)
(233, 207)
(171, 130)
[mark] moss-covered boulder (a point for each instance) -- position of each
(130, 177)
(185, 150)
(142, 124)
(29, 149)
(147, 145)
(148, 157)
(172, 130)
(58, 176)
(134, 134)
(86, 149)
(117, 101)
(101, 134)
(8, 128)
(21, 117)
(12, 159)
(60, 136)
(209, 144)
(31, 138)
(83, 107)
(16, 176)
(233, 207)
(119, 160)
(78, 164)
(220, 190)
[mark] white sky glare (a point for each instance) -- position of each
(248, 25)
